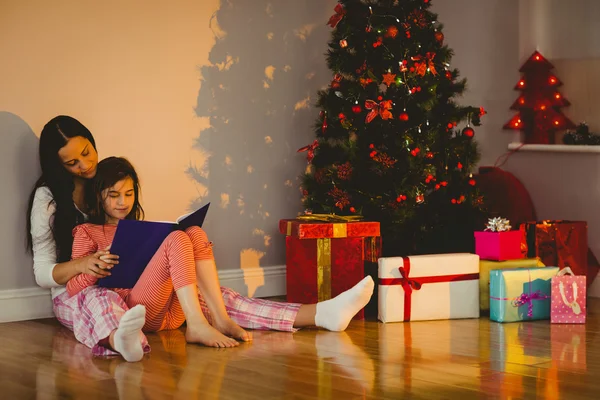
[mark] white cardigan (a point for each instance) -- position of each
(44, 246)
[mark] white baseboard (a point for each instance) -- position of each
(36, 303)
(255, 282)
(25, 304)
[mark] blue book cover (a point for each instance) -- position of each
(136, 242)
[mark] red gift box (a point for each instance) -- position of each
(558, 243)
(324, 259)
(498, 246)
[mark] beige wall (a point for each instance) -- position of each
(152, 83)
(485, 38)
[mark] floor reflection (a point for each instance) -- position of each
(436, 359)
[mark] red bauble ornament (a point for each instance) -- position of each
(468, 132)
(444, 183)
(415, 151)
(371, 146)
(450, 125)
(437, 186)
(356, 109)
(368, 28)
(373, 154)
(352, 209)
(392, 32)
(403, 116)
(459, 165)
(429, 155)
(472, 182)
(439, 36)
(453, 201)
(420, 198)
(449, 75)
(408, 34)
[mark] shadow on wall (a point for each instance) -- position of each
(258, 95)
(19, 170)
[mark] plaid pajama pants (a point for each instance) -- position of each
(95, 312)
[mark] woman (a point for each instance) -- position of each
(99, 317)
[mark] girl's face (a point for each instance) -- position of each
(79, 157)
(118, 200)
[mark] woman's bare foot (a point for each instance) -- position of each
(230, 328)
(208, 336)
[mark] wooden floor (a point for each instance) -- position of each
(461, 359)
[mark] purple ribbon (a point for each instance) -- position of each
(525, 298)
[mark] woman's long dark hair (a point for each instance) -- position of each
(61, 183)
(110, 171)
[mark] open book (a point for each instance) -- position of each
(136, 242)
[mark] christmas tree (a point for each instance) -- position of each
(392, 144)
(539, 116)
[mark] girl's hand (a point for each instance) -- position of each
(98, 264)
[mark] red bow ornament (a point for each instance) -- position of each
(421, 64)
(382, 109)
(337, 17)
(310, 149)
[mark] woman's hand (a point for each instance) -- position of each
(98, 264)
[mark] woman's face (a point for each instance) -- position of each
(79, 157)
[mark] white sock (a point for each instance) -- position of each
(335, 314)
(127, 337)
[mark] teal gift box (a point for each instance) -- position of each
(520, 294)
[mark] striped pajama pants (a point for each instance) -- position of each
(95, 312)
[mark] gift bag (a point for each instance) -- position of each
(568, 304)
(559, 243)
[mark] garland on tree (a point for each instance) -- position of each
(391, 142)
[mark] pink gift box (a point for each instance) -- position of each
(568, 302)
(498, 246)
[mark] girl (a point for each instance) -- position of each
(168, 287)
(98, 317)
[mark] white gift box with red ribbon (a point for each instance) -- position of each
(428, 287)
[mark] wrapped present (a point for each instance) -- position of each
(485, 266)
(568, 303)
(324, 259)
(497, 242)
(559, 243)
(419, 288)
(520, 294)
(568, 343)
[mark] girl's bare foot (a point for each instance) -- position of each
(230, 328)
(208, 336)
